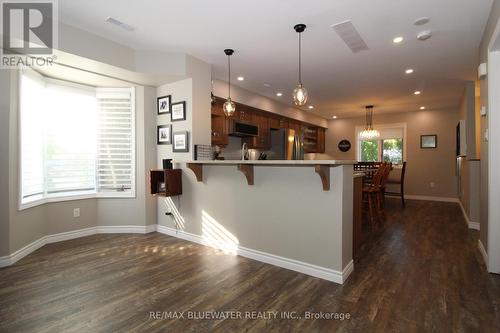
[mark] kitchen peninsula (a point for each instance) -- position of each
(287, 217)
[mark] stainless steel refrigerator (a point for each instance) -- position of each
(286, 144)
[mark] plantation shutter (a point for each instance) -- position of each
(115, 141)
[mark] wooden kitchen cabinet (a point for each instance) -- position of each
(274, 122)
(263, 140)
(283, 123)
(320, 148)
(314, 139)
(217, 107)
(244, 113)
(295, 125)
(219, 131)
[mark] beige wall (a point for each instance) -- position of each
(59, 216)
(88, 45)
(180, 91)
(424, 165)
(483, 58)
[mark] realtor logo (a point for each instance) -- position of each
(29, 32)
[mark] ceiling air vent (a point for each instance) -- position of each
(350, 36)
(119, 24)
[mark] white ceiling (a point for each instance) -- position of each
(339, 82)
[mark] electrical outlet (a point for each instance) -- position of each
(76, 212)
(432, 184)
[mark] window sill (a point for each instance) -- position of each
(75, 196)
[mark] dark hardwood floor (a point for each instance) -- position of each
(420, 272)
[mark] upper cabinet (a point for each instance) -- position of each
(217, 107)
(263, 140)
(244, 113)
(314, 137)
(220, 135)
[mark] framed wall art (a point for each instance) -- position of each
(164, 135)
(163, 104)
(178, 111)
(428, 141)
(180, 142)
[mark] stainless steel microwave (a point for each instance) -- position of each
(242, 128)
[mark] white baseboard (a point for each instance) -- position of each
(430, 198)
(21, 253)
(470, 224)
(126, 229)
(483, 252)
(69, 235)
(294, 265)
(268, 258)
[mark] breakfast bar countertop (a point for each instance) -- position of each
(271, 162)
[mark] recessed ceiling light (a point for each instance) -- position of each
(311, 107)
(409, 71)
(424, 35)
(267, 85)
(279, 94)
(422, 21)
(422, 108)
(418, 92)
(334, 117)
(240, 78)
(397, 40)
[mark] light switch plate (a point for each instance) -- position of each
(483, 111)
(482, 71)
(486, 135)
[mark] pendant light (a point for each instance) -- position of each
(369, 133)
(300, 93)
(229, 108)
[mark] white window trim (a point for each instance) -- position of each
(359, 129)
(76, 195)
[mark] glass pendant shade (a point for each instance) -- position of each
(229, 107)
(300, 95)
(369, 133)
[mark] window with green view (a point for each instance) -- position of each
(387, 150)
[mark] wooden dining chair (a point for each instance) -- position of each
(372, 193)
(383, 182)
(401, 182)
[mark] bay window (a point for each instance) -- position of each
(76, 140)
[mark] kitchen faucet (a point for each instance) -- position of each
(244, 151)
